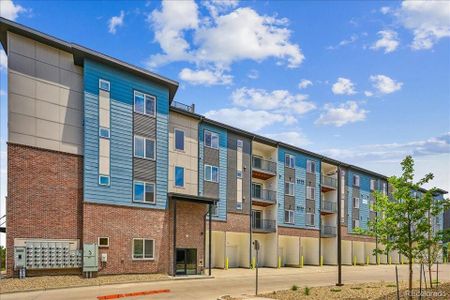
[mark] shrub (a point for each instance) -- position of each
(307, 291)
(294, 288)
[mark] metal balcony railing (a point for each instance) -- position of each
(264, 195)
(264, 225)
(329, 181)
(328, 206)
(264, 165)
(189, 108)
(328, 230)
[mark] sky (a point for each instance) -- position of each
(364, 82)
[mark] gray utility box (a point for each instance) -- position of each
(90, 258)
(20, 258)
(44, 254)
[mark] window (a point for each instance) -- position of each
(384, 189)
(239, 205)
(103, 242)
(144, 104)
(310, 166)
(372, 184)
(103, 132)
(289, 161)
(289, 216)
(355, 180)
(143, 192)
(179, 177)
(239, 144)
(103, 180)
(289, 188)
(143, 249)
(211, 139)
(104, 85)
(239, 174)
(355, 223)
(211, 173)
(310, 192)
(355, 202)
(144, 148)
(310, 219)
(179, 140)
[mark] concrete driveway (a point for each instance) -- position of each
(234, 282)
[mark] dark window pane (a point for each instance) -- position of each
(148, 249)
(179, 140)
(138, 147)
(139, 103)
(179, 176)
(149, 105)
(149, 192)
(208, 173)
(138, 248)
(139, 192)
(208, 138)
(149, 149)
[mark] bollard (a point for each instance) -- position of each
(226, 263)
(401, 259)
(321, 260)
(354, 260)
(301, 262)
(367, 260)
(390, 260)
(253, 262)
(279, 262)
(378, 260)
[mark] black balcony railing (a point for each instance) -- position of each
(264, 225)
(328, 206)
(328, 230)
(264, 165)
(189, 108)
(329, 181)
(264, 195)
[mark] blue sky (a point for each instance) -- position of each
(365, 82)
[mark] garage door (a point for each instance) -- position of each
(232, 254)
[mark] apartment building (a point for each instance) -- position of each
(107, 174)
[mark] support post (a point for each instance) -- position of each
(339, 247)
(174, 254)
(209, 238)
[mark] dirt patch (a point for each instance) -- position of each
(372, 290)
(53, 282)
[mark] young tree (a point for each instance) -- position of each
(401, 223)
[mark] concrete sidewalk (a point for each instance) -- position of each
(235, 282)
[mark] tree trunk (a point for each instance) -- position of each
(430, 276)
(410, 281)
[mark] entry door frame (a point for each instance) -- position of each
(185, 260)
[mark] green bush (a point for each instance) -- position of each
(2, 257)
(307, 291)
(294, 288)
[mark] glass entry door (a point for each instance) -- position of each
(257, 219)
(186, 263)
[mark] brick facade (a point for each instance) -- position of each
(235, 223)
(44, 196)
(298, 232)
(355, 237)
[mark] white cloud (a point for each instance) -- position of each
(253, 74)
(219, 6)
(429, 21)
(385, 10)
(296, 138)
(9, 10)
(343, 86)
(276, 100)
(205, 77)
(116, 21)
(3, 60)
(304, 83)
(229, 37)
(388, 41)
(353, 38)
(368, 93)
(348, 112)
(247, 119)
(385, 84)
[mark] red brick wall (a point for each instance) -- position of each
(44, 196)
(121, 224)
(298, 232)
(235, 223)
(345, 235)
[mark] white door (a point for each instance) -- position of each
(232, 255)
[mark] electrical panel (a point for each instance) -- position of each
(20, 258)
(42, 254)
(90, 258)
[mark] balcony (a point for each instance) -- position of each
(328, 207)
(182, 106)
(328, 231)
(263, 197)
(328, 183)
(263, 225)
(263, 169)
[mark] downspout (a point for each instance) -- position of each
(251, 197)
(320, 214)
(339, 237)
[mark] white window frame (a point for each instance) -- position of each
(356, 182)
(144, 183)
(145, 147)
(100, 81)
(175, 176)
(290, 184)
(145, 104)
(143, 249)
(175, 139)
(107, 130)
(373, 184)
(291, 160)
(313, 193)
(212, 134)
(354, 222)
(309, 168)
(211, 180)
(239, 144)
(291, 216)
(357, 201)
(239, 205)
(239, 173)
(307, 223)
(102, 184)
(103, 237)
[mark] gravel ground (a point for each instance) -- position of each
(378, 290)
(51, 282)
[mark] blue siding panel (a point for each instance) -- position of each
(121, 93)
